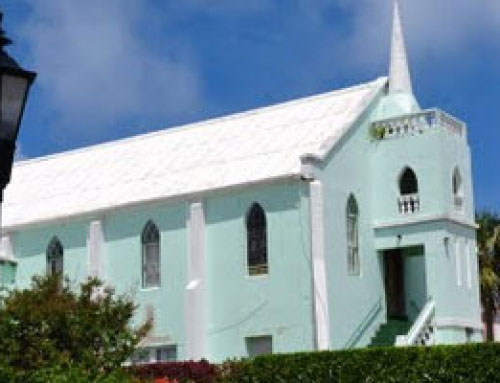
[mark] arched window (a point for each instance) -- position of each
(408, 183)
(457, 187)
(256, 240)
(352, 220)
(150, 255)
(55, 255)
(409, 200)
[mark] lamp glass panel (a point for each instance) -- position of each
(13, 90)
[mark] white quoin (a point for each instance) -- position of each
(320, 285)
(195, 288)
(95, 246)
(6, 250)
(399, 73)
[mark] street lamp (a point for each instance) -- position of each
(15, 83)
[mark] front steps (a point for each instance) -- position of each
(387, 333)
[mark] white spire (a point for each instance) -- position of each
(399, 75)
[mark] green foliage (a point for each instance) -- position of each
(75, 374)
(377, 132)
(468, 364)
(57, 330)
(488, 243)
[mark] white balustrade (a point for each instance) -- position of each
(409, 204)
(417, 123)
(422, 332)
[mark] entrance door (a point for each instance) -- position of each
(394, 283)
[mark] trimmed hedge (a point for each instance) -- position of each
(473, 363)
(181, 372)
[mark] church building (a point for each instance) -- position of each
(336, 221)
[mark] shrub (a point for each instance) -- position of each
(181, 372)
(468, 364)
(50, 326)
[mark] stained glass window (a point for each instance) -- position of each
(55, 253)
(352, 214)
(256, 240)
(150, 256)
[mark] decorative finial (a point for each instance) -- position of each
(399, 74)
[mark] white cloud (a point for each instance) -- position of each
(96, 70)
(443, 27)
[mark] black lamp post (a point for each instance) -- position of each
(15, 83)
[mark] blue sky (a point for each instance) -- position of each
(115, 68)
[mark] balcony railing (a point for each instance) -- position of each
(417, 123)
(409, 204)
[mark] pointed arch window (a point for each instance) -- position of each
(55, 257)
(150, 255)
(409, 200)
(256, 225)
(352, 221)
(457, 188)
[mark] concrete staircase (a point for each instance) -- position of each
(387, 333)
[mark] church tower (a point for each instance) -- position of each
(423, 208)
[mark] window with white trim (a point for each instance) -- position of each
(352, 224)
(256, 225)
(167, 353)
(150, 239)
(259, 345)
(409, 199)
(457, 188)
(55, 257)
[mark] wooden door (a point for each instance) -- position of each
(394, 284)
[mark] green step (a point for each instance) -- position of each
(387, 333)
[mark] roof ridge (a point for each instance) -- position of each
(197, 124)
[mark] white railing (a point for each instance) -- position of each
(364, 324)
(422, 331)
(409, 203)
(417, 123)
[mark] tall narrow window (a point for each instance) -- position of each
(55, 253)
(408, 201)
(256, 240)
(457, 187)
(352, 215)
(150, 256)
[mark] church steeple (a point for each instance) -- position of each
(399, 98)
(399, 74)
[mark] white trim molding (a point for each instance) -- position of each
(6, 249)
(457, 323)
(195, 287)
(421, 219)
(319, 282)
(95, 246)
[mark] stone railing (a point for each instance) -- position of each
(409, 204)
(422, 331)
(417, 123)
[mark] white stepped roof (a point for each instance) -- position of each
(248, 147)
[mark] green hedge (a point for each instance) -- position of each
(467, 364)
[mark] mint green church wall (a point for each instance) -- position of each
(30, 247)
(277, 304)
(122, 267)
(433, 155)
(356, 301)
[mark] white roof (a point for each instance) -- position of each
(248, 147)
